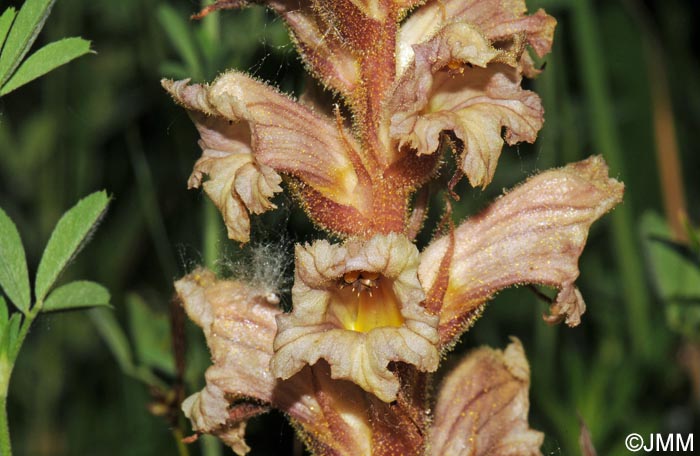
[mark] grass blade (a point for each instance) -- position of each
(606, 140)
(181, 38)
(114, 337)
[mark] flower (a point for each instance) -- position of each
(371, 315)
(358, 306)
(533, 234)
(482, 406)
(238, 321)
(454, 67)
(460, 65)
(335, 416)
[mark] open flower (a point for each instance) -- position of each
(533, 234)
(334, 417)
(238, 320)
(371, 315)
(460, 65)
(358, 306)
(453, 67)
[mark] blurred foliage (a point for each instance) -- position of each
(104, 122)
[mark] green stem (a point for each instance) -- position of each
(625, 247)
(7, 363)
(211, 446)
(5, 446)
(212, 235)
(182, 449)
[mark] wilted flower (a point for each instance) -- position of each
(372, 315)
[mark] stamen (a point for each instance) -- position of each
(351, 277)
(368, 283)
(370, 302)
(455, 67)
(370, 275)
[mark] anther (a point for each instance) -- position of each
(368, 282)
(370, 275)
(351, 277)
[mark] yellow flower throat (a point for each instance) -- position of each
(364, 301)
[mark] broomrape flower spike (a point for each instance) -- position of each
(371, 315)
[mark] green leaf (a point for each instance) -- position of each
(675, 272)
(5, 22)
(693, 236)
(150, 332)
(14, 278)
(181, 37)
(674, 268)
(29, 22)
(69, 236)
(76, 295)
(46, 59)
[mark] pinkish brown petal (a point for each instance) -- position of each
(358, 306)
(270, 133)
(503, 22)
(237, 183)
(239, 324)
(453, 84)
(314, 37)
(482, 407)
(534, 233)
(335, 422)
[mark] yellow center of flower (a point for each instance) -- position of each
(364, 301)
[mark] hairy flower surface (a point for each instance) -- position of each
(454, 67)
(482, 407)
(371, 315)
(533, 234)
(358, 306)
(239, 323)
